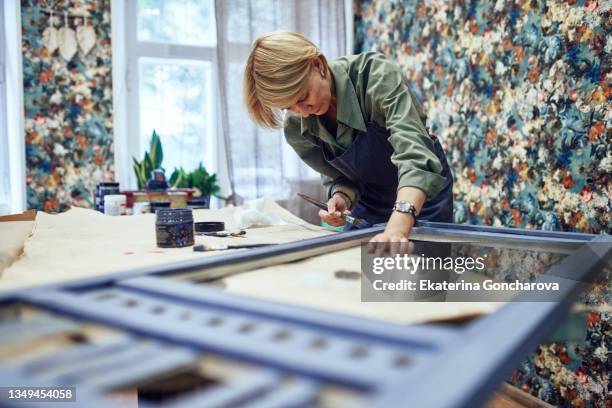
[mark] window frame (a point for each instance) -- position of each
(127, 50)
(12, 155)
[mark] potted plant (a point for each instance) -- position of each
(152, 161)
(206, 184)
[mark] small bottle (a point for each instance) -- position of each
(114, 204)
(102, 190)
(141, 207)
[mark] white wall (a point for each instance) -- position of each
(12, 134)
(349, 24)
(123, 166)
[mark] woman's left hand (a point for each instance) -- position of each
(392, 240)
(397, 231)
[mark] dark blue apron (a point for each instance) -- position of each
(367, 163)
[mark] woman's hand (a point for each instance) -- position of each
(336, 206)
(395, 237)
(393, 240)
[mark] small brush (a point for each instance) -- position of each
(222, 247)
(357, 222)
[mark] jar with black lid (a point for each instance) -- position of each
(103, 189)
(174, 227)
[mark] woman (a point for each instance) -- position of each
(354, 120)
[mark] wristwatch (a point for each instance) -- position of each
(406, 208)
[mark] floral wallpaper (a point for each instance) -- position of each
(519, 94)
(576, 373)
(68, 102)
(572, 373)
(563, 373)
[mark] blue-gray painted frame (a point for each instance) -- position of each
(439, 357)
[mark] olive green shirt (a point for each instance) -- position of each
(369, 88)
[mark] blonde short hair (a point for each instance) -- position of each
(275, 74)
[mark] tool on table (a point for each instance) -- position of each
(221, 247)
(224, 234)
(209, 226)
(357, 222)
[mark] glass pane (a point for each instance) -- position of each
(176, 100)
(190, 22)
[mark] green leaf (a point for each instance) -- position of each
(173, 178)
(180, 178)
(137, 173)
(150, 166)
(152, 160)
(203, 181)
(136, 167)
(141, 173)
(157, 153)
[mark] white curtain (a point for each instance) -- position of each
(260, 163)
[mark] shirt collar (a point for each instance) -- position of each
(349, 111)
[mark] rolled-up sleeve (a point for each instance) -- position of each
(393, 107)
(312, 155)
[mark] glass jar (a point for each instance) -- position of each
(174, 227)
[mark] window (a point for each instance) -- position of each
(171, 81)
(175, 99)
(189, 22)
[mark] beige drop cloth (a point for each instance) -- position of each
(312, 282)
(12, 237)
(81, 243)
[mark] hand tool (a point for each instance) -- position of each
(357, 222)
(224, 234)
(221, 247)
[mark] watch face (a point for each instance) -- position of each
(403, 207)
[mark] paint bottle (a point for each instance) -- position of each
(114, 204)
(174, 227)
(103, 189)
(141, 207)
